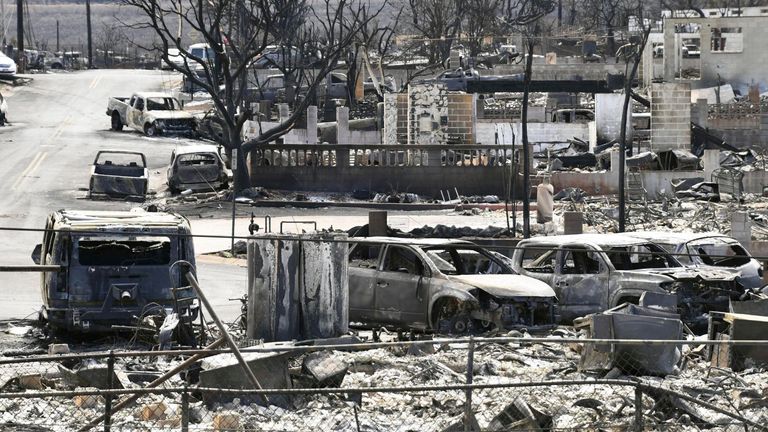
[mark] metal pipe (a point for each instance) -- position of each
(166, 376)
(638, 409)
(470, 379)
(225, 334)
(31, 268)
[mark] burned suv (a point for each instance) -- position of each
(447, 286)
(591, 273)
(114, 266)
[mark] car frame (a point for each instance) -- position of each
(422, 295)
(591, 282)
(197, 176)
(688, 249)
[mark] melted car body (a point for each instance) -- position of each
(448, 286)
(592, 273)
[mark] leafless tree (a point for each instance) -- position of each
(632, 55)
(437, 23)
(525, 17)
(238, 32)
(109, 38)
(482, 19)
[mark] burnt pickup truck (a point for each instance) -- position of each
(444, 286)
(119, 174)
(591, 273)
(151, 113)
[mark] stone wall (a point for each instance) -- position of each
(427, 114)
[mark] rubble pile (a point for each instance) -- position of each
(430, 363)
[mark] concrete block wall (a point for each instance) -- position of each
(402, 118)
(462, 117)
(671, 116)
(389, 133)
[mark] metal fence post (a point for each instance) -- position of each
(470, 372)
(108, 397)
(185, 409)
(638, 409)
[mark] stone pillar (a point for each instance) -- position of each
(741, 229)
(312, 124)
(342, 137)
(711, 161)
(389, 135)
(573, 222)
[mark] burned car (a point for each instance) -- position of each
(115, 266)
(709, 251)
(119, 174)
(592, 273)
(446, 286)
(197, 167)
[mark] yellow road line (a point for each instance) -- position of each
(33, 164)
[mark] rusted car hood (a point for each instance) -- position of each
(506, 285)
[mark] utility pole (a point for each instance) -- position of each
(20, 34)
(90, 36)
(57, 35)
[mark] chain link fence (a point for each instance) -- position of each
(464, 384)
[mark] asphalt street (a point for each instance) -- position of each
(58, 123)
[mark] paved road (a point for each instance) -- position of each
(58, 125)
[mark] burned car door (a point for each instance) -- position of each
(538, 262)
(402, 288)
(581, 281)
(363, 268)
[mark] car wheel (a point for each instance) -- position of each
(57, 66)
(117, 124)
(150, 130)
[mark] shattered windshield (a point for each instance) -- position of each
(197, 159)
(124, 252)
(161, 104)
(465, 261)
(642, 256)
(715, 251)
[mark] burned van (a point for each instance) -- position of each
(115, 268)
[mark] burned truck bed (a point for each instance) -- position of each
(119, 174)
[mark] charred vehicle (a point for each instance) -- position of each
(120, 174)
(198, 167)
(115, 267)
(447, 286)
(592, 273)
(709, 251)
(151, 113)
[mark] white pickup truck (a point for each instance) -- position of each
(152, 113)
